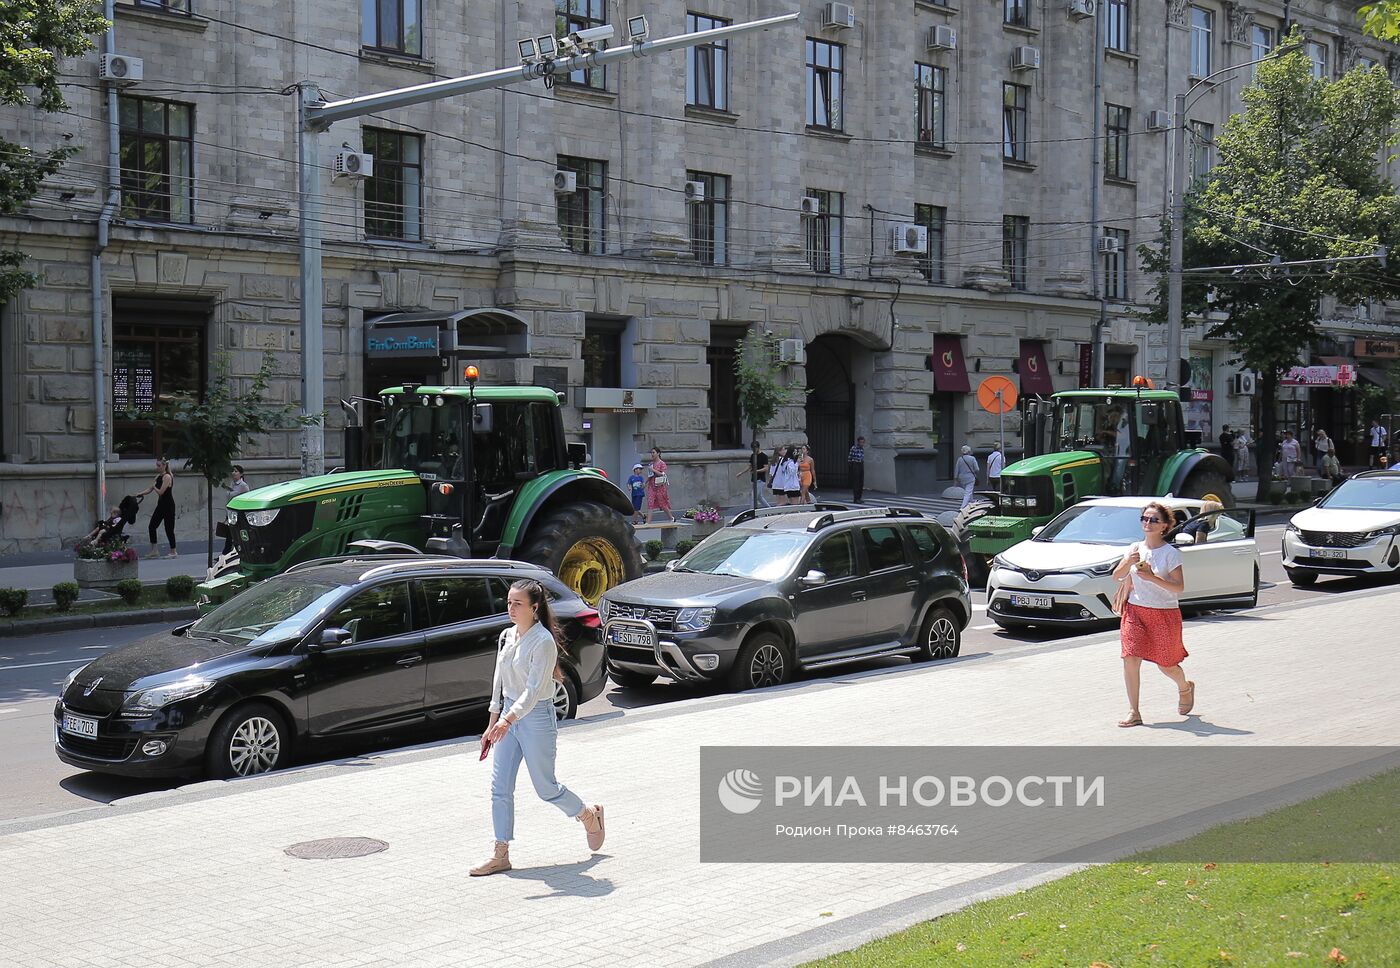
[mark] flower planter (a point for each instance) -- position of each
(703, 529)
(1278, 487)
(103, 574)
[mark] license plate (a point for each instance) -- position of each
(80, 725)
(1032, 601)
(1330, 553)
(629, 637)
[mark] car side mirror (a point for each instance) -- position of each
(813, 579)
(578, 453)
(1036, 530)
(1184, 538)
(330, 639)
(671, 565)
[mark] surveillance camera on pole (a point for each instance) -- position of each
(590, 39)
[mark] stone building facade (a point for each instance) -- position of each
(991, 147)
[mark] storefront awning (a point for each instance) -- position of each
(478, 334)
(1373, 375)
(1035, 369)
(948, 366)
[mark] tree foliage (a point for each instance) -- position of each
(1381, 20)
(34, 36)
(1299, 177)
(759, 379)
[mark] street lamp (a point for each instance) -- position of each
(1174, 267)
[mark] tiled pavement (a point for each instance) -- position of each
(198, 877)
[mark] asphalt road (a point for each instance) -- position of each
(31, 669)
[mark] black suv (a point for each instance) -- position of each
(787, 588)
(344, 648)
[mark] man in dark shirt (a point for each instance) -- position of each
(1227, 443)
(855, 460)
(758, 468)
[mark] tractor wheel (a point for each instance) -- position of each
(1209, 486)
(959, 530)
(590, 547)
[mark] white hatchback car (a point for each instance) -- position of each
(1063, 576)
(1354, 530)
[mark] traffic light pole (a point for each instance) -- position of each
(317, 115)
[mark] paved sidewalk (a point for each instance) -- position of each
(198, 877)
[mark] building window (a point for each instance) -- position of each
(153, 365)
(157, 158)
(1202, 26)
(602, 352)
(824, 232)
(395, 25)
(930, 84)
(709, 220)
(1261, 43)
(581, 213)
(1015, 121)
(707, 66)
(1115, 25)
(1317, 54)
(1117, 135)
(571, 16)
(825, 73)
(1115, 266)
(1015, 242)
(1016, 13)
(167, 6)
(1202, 142)
(726, 422)
(934, 219)
(394, 193)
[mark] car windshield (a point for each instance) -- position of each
(1365, 494)
(278, 609)
(1096, 524)
(761, 555)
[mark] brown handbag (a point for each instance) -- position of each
(1120, 596)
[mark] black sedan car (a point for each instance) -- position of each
(784, 589)
(341, 649)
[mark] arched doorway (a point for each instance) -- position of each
(831, 406)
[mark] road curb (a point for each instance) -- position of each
(67, 623)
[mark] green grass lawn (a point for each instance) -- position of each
(1151, 910)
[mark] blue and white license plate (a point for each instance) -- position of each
(80, 726)
(629, 637)
(1032, 601)
(1334, 553)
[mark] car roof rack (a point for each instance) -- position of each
(751, 513)
(360, 556)
(499, 564)
(857, 514)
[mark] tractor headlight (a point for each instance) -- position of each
(231, 517)
(261, 519)
(694, 619)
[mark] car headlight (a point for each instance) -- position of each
(261, 519)
(604, 609)
(999, 562)
(68, 679)
(694, 619)
(1383, 532)
(1292, 529)
(158, 697)
(1106, 568)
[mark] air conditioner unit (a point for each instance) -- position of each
(908, 237)
(565, 182)
(694, 192)
(810, 206)
(792, 351)
(1159, 120)
(841, 15)
(1025, 58)
(1080, 9)
(1242, 384)
(1110, 245)
(121, 69)
(942, 37)
(350, 164)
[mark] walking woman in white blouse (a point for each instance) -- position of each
(523, 724)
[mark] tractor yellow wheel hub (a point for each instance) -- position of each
(590, 567)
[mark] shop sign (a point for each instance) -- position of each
(1378, 349)
(616, 399)
(402, 341)
(1319, 376)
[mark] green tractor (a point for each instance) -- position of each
(1082, 443)
(473, 472)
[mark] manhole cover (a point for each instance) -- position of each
(333, 848)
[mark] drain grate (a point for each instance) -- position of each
(334, 848)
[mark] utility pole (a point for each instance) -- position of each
(316, 116)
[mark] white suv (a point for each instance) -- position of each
(1354, 530)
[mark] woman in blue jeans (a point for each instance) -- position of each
(523, 724)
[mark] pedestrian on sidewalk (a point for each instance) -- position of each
(1289, 456)
(996, 462)
(966, 474)
(239, 486)
(757, 470)
(164, 488)
(1227, 442)
(1151, 617)
(855, 463)
(637, 485)
(1322, 449)
(786, 487)
(658, 487)
(1378, 437)
(806, 474)
(523, 724)
(1242, 455)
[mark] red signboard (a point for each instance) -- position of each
(949, 367)
(1086, 365)
(1035, 369)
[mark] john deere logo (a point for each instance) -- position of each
(740, 791)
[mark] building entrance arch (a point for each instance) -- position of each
(833, 368)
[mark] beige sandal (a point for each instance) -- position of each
(1134, 719)
(497, 863)
(1187, 699)
(595, 831)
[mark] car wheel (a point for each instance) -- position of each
(250, 740)
(940, 638)
(762, 662)
(631, 680)
(565, 698)
(1301, 579)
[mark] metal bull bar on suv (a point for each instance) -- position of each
(668, 656)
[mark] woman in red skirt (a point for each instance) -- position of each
(1151, 626)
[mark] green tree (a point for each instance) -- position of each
(1298, 177)
(208, 433)
(1381, 20)
(760, 386)
(34, 35)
